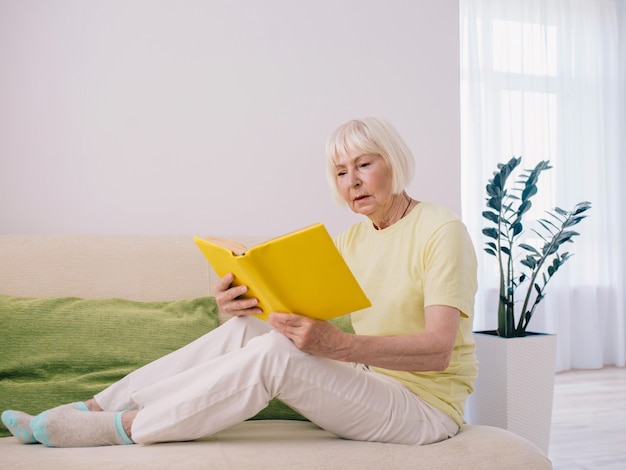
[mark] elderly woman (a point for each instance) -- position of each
(402, 378)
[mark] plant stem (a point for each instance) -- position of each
(506, 319)
(547, 250)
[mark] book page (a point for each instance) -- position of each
(236, 247)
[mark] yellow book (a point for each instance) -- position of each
(301, 272)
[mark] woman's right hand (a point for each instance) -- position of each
(229, 301)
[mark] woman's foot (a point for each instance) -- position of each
(19, 423)
(72, 428)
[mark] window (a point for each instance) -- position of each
(546, 82)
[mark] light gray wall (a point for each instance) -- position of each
(210, 117)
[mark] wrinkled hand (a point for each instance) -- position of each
(316, 337)
(229, 301)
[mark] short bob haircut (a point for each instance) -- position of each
(373, 136)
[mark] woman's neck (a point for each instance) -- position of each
(398, 209)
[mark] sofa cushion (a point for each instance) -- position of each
(58, 350)
(287, 445)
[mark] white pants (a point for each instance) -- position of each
(231, 373)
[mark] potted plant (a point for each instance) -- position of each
(516, 366)
(506, 210)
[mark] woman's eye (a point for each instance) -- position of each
(363, 165)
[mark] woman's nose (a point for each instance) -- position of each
(355, 182)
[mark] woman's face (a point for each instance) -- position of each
(364, 181)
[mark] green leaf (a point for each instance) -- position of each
(527, 247)
(497, 180)
(529, 191)
(575, 220)
(494, 204)
(549, 226)
(581, 207)
(524, 207)
(550, 249)
(543, 165)
(566, 237)
(561, 211)
(492, 216)
(529, 262)
(491, 233)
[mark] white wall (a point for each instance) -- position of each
(210, 117)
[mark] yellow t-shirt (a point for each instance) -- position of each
(426, 258)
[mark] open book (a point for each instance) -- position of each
(301, 272)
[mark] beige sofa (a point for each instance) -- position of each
(148, 268)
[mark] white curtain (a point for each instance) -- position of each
(545, 80)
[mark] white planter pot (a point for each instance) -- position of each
(515, 385)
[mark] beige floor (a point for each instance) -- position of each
(589, 420)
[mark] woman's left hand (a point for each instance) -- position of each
(316, 337)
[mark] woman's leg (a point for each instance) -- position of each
(351, 402)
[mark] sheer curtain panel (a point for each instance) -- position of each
(545, 80)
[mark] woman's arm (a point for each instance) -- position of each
(426, 351)
(418, 352)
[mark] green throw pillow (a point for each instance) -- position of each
(59, 350)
